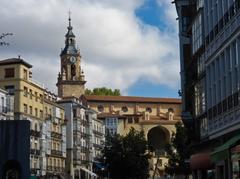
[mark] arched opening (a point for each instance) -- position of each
(76, 174)
(11, 170)
(158, 137)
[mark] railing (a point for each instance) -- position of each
(98, 146)
(56, 135)
(84, 149)
(84, 122)
(56, 169)
(5, 109)
(34, 151)
(35, 133)
(84, 134)
(97, 132)
(34, 171)
(56, 152)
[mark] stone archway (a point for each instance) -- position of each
(11, 170)
(157, 138)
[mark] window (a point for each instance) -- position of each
(30, 109)
(36, 127)
(74, 113)
(36, 96)
(41, 114)
(10, 89)
(41, 98)
(100, 108)
(25, 108)
(25, 74)
(197, 33)
(25, 91)
(124, 109)
(148, 109)
(9, 72)
(136, 119)
(130, 120)
(31, 94)
(36, 112)
(185, 23)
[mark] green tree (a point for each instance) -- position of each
(178, 151)
(103, 91)
(125, 156)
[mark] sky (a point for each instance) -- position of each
(131, 45)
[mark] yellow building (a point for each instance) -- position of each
(34, 103)
(155, 116)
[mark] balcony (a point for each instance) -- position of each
(84, 122)
(56, 153)
(34, 152)
(98, 146)
(56, 135)
(34, 171)
(55, 169)
(84, 149)
(5, 109)
(49, 168)
(84, 134)
(97, 132)
(35, 133)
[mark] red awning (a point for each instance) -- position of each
(201, 161)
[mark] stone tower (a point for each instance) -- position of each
(71, 78)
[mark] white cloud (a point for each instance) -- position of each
(117, 47)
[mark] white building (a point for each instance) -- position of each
(98, 136)
(6, 106)
(79, 139)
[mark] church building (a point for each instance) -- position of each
(155, 116)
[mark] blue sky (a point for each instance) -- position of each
(150, 13)
(128, 45)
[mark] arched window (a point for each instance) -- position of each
(124, 109)
(100, 108)
(148, 109)
(36, 127)
(170, 110)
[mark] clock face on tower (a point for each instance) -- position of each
(72, 59)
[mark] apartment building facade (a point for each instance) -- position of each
(79, 138)
(98, 136)
(30, 100)
(209, 34)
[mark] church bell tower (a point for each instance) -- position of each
(71, 79)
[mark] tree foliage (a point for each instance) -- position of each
(125, 156)
(178, 151)
(103, 92)
(4, 35)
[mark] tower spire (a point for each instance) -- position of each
(69, 17)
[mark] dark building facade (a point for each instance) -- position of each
(14, 149)
(209, 36)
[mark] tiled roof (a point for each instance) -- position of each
(131, 99)
(14, 61)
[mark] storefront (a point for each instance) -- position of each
(226, 159)
(235, 159)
